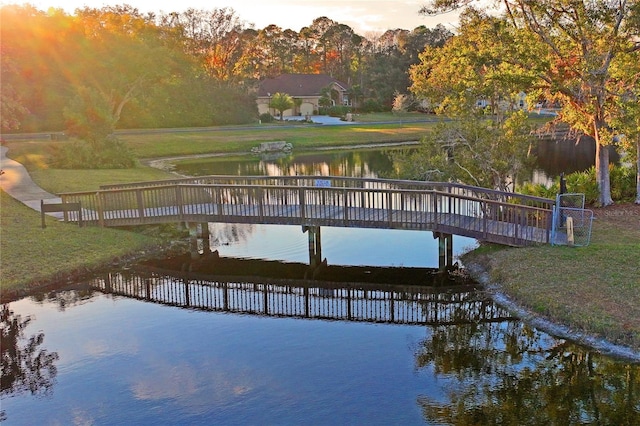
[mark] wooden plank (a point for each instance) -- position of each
(60, 207)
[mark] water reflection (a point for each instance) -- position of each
(509, 373)
(553, 157)
(352, 163)
(26, 366)
(341, 293)
(296, 351)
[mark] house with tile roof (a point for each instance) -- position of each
(306, 89)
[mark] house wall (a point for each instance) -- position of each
(308, 107)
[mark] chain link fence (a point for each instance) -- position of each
(571, 221)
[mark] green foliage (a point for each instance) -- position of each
(88, 116)
(473, 149)
(539, 189)
(106, 153)
(584, 182)
(371, 105)
(182, 69)
(266, 118)
(623, 183)
(281, 102)
(335, 111)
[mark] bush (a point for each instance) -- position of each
(623, 185)
(371, 105)
(335, 111)
(266, 118)
(108, 153)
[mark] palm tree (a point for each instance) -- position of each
(281, 102)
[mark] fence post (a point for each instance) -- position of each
(345, 199)
(100, 205)
(260, 196)
(301, 195)
(179, 202)
(435, 209)
(140, 202)
(483, 203)
(390, 209)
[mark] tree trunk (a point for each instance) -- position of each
(638, 170)
(602, 174)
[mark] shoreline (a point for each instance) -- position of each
(479, 273)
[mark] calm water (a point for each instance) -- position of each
(136, 347)
(552, 159)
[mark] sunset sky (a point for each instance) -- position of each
(364, 16)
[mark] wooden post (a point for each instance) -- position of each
(315, 245)
(140, 202)
(193, 239)
(445, 250)
(204, 235)
(442, 259)
(301, 195)
(100, 204)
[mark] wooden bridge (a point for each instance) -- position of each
(315, 201)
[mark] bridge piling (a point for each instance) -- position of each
(315, 246)
(198, 231)
(445, 250)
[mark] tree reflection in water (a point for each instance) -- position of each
(25, 366)
(509, 374)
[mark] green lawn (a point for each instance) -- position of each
(30, 255)
(594, 288)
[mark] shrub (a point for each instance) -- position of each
(623, 185)
(335, 111)
(266, 118)
(371, 105)
(107, 153)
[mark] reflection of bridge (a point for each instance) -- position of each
(312, 202)
(308, 299)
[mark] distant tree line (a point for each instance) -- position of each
(115, 67)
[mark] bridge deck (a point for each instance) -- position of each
(486, 215)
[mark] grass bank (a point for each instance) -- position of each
(593, 289)
(31, 256)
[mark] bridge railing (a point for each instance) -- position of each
(422, 209)
(349, 182)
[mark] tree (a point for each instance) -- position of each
(123, 57)
(281, 102)
(583, 41)
(401, 104)
(480, 146)
(627, 117)
(89, 115)
(475, 149)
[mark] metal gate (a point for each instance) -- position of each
(571, 221)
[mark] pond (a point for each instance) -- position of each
(233, 334)
(552, 157)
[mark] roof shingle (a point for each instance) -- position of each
(297, 85)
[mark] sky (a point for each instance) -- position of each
(363, 16)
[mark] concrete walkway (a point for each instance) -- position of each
(16, 181)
